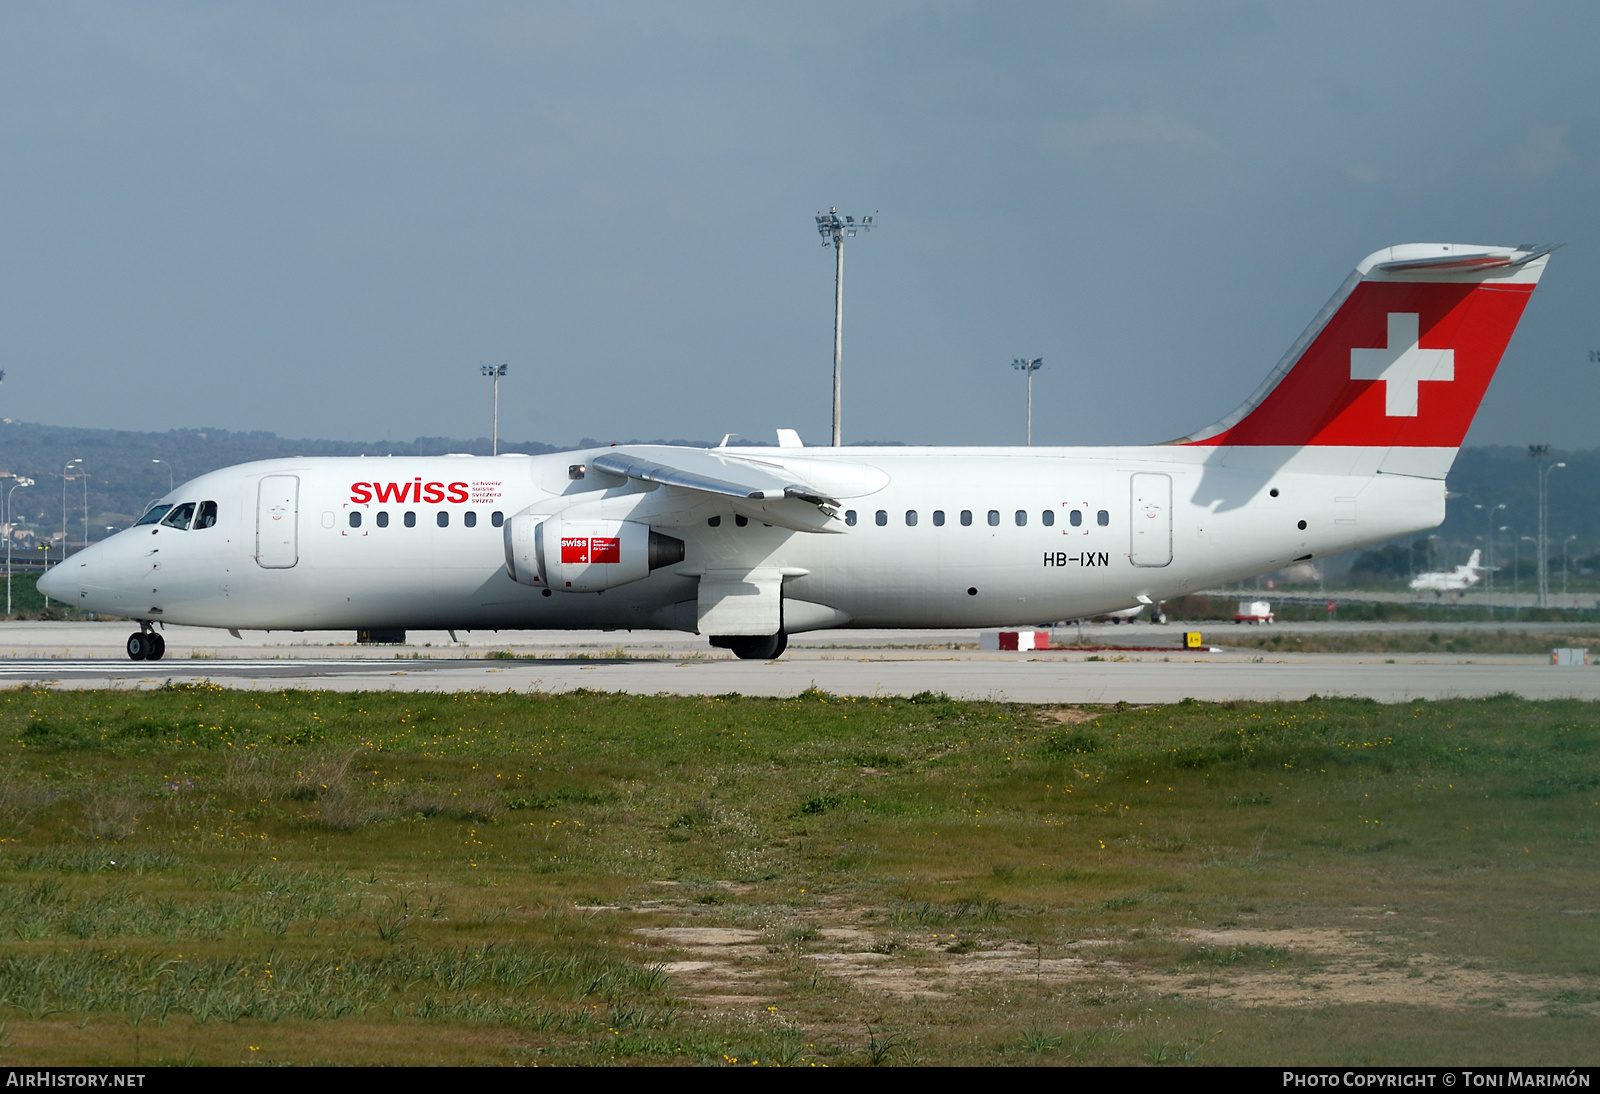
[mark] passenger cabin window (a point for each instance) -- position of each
(207, 517)
(383, 518)
(882, 518)
(1022, 518)
(938, 518)
(850, 517)
(1075, 518)
(180, 516)
(1048, 518)
(497, 518)
(156, 513)
(1102, 518)
(411, 519)
(911, 518)
(966, 518)
(470, 519)
(994, 518)
(355, 518)
(443, 518)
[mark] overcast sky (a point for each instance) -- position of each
(320, 219)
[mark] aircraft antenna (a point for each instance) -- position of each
(1029, 367)
(834, 230)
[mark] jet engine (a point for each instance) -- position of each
(584, 556)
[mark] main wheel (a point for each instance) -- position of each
(138, 646)
(158, 647)
(753, 647)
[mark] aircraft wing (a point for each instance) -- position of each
(706, 471)
(762, 489)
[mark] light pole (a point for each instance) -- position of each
(85, 471)
(1541, 453)
(1516, 566)
(168, 467)
(1029, 367)
(9, 537)
(1564, 543)
(494, 372)
(65, 476)
(835, 230)
(1488, 516)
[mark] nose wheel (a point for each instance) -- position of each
(146, 646)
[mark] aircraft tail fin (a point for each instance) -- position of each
(1399, 358)
(1472, 563)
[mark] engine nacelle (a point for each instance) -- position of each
(584, 556)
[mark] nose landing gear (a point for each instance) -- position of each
(146, 646)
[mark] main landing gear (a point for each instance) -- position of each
(753, 647)
(146, 646)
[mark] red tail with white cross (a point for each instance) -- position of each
(1400, 357)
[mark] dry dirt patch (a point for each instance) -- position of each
(1069, 716)
(727, 966)
(1313, 939)
(1354, 967)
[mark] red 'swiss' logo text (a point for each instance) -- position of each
(416, 491)
(590, 549)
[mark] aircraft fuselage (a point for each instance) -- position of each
(951, 538)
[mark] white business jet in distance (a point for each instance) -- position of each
(1450, 581)
(1347, 442)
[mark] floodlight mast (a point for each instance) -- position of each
(1541, 453)
(495, 372)
(10, 520)
(1025, 365)
(835, 229)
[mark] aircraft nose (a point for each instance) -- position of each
(52, 584)
(68, 578)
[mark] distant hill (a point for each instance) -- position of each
(1504, 475)
(126, 470)
(124, 477)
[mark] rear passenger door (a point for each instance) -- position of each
(1151, 519)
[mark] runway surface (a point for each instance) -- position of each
(89, 655)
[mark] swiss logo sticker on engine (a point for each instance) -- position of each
(605, 549)
(575, 549)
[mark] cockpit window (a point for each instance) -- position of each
(180, 516)
(155, 513)
(207, 517)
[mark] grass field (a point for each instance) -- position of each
(199, 875)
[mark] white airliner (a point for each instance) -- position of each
(1450, 581)
(1345, 443)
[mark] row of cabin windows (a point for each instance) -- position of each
(409, 518)
(190, 516)
(1047, 518)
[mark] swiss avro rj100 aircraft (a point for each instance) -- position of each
(1346, 442)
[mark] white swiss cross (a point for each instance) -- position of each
(1402, 365)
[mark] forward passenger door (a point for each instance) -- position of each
(278, 522)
